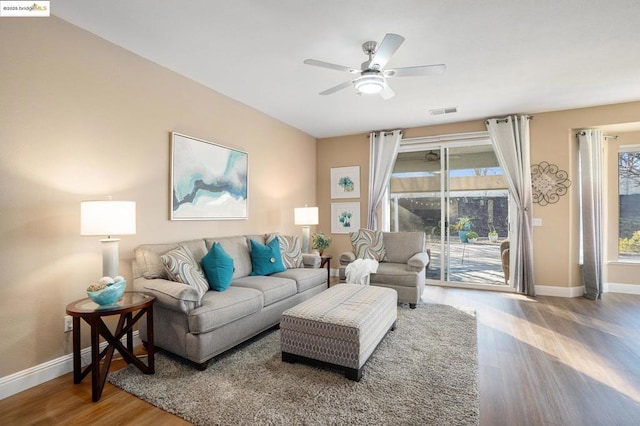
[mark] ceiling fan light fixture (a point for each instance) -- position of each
(370, 84)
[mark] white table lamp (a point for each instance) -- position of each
(108, 218)
(305, 216)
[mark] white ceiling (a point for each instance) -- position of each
(502, 56)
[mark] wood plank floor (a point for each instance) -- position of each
(542, 361)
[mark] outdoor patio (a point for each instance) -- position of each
(473, 263)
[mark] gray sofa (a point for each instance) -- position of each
(199, 329)
(403, 268)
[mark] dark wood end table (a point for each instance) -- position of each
(325, 261)
(93, 314)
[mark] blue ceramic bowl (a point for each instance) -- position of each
(109, 295)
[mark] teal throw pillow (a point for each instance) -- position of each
(266, 260)
(218, 268)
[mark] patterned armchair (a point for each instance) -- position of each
(402, 256)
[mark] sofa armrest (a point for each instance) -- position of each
(347, 257)
(169, 294)
(311, 260)
(418, 261)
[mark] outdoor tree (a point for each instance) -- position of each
(629, 192)
(629, 170)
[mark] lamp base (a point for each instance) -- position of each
(110, 257)
(305, 239)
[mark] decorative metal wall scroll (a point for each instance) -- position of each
(549, 183)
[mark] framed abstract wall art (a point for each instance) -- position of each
(345, 217)
(345, 182)
(208, 181)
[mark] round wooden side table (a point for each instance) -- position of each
(93, 315)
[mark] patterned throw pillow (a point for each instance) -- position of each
(368, 244)
(289, 249)
(183, 268)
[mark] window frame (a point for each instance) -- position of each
(614, 202)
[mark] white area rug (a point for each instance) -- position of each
(423, 373)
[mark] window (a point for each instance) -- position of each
(439, 183)
(629, 202)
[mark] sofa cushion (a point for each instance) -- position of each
(274, 289)
(258, 238)
(368, 244)
(289, 249)
(183, 268)
(218, 268)
(238, 248)
(148, 256)
(400, 246)
(148, 259)
(305, 278)
(221, 308)
(266, 259)
(171, 295)
(395, 274)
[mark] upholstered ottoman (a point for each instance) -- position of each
(341, 326)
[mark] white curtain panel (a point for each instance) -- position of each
(510, 137)
(383, 152)
(591, 175)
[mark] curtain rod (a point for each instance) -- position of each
(605, 136)
(386, 133)
(505, 120)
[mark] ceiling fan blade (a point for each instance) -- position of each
(387, 93)
(385, 51)
(416, 71)
(336, 88)
(329, 65)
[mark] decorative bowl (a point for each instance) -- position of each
(109, 295)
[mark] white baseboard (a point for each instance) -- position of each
(548, 290)
(34, 376)
(622, 288)
(543, 290)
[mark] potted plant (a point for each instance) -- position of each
(463, 226)
(493, 234)
(472, 237)
(320, 241)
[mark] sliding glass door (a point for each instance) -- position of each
(455, 192)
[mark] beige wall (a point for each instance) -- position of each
(82, 119)
(552, 140)
(341, 152)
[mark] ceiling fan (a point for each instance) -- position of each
(432, 155)
(372, 77)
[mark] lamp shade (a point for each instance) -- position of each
(305, 215)
(107, 218)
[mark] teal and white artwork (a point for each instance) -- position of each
(345, 217)
(208, 181)
(345, 182)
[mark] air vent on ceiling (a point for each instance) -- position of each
(441, 111)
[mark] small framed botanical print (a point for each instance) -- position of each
(345, 217)
(345, 182)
